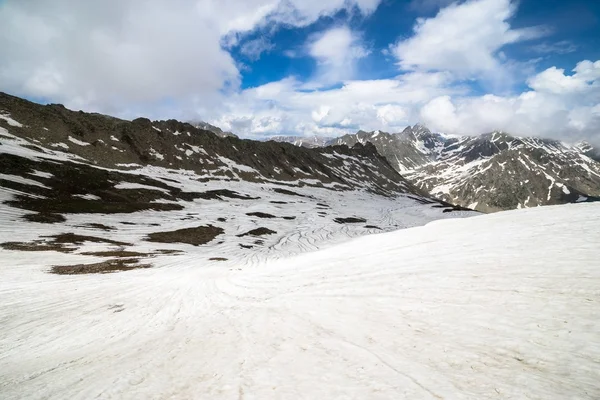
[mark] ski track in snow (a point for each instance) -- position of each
(493, 307)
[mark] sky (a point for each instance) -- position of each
(314, 67)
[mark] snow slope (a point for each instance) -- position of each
(501, 306)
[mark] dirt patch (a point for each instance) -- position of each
(322, 205)
(258, 232)
(221, 219)
(372, 227)
(45, 218)
(349, 220)
(102, 227)
(194, 236)
(260, 215)
(288, 192)
(220, 193)
(37, 245)
(72, 238)
(168, 251)
(217, 259)
(116, 253)
(99, 268)
(244, 246)
(289, 218)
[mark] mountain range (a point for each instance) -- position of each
(490, 172)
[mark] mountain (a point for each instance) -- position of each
(589, 150)
(214, 129)
(407, 150)
(490, 172)
(302, 141)
(116, 195)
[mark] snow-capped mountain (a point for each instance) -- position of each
(405, 151)
(302, 141)
(491, 172)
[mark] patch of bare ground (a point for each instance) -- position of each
(38, 245)
(289, 218)
(62, 243)
(45, 218)
(288, 192)
(115, 265)
(73, 238)
(349, 220)
(260, 215)
(194, 236)
(220, 193)
(372, 227)
(218, 259)
(258, 232)
(168, 251)
(99, 226)
(116, 253)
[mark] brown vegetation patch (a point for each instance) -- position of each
(372, 227)
(288, 192)
(220, 193)
(260, 215)
(45, 218)
(349, 220)
(37, 245)
(116, 253)
(258, 232)
(80, 239)
(103, 227)
(194, 236)
(99, 268)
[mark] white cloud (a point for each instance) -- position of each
(464, 39)
(554, 80)
(428, 5)
(561, 47)
(387, 104)
(253, 49)
(336, 51)
(122, 57)
(558, 106)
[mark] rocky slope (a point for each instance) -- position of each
(491, 172)
(214, 129)
(110, 142)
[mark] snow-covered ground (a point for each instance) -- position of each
(501, 306)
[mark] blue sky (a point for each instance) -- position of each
(323, 67)
(574, 22)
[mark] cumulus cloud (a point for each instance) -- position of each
(122, 56)
(464, 39)
(558, 106)
(336, 51)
